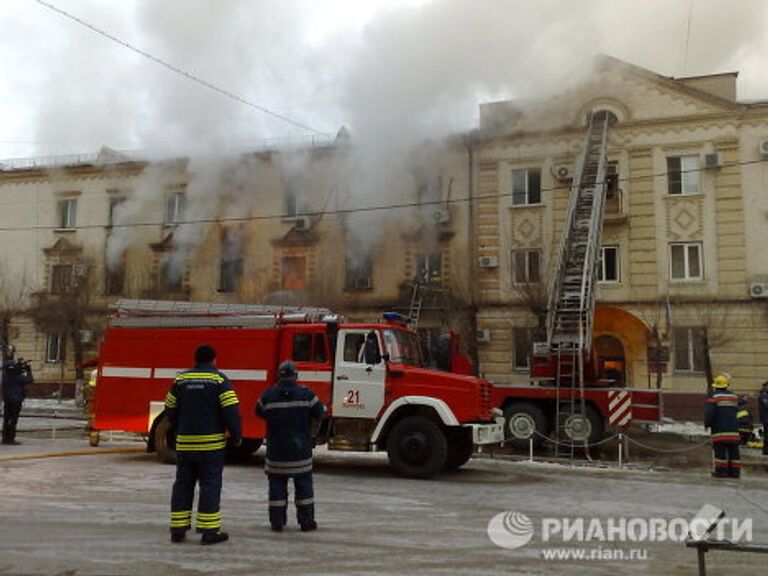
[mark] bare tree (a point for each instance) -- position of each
(14, 292)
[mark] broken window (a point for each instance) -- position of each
(230, 260)
(608, 269)
(62, 278)
(115, 209)
(359, 272)
(683, 175)
(429, 267)
(689, 349)
(526, 186)
(294, 273)
(685, 261)
(67, 213)
(525, 266)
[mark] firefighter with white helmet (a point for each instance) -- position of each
(720, 418)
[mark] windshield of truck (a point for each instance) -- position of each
(403, 347)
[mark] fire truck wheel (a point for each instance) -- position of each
(165, 444)
(460, 449)
(576, 428)
(417, 447)
(523, 421)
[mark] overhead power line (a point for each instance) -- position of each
(180, 71)
(357, 210)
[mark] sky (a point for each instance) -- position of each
(383, 68)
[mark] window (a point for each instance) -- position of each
(295, 200)
(62, 278)
(359, 272)
(525, 266)
(683, 175)
(174, 207)
(294, 273)
(171, 276)
(309, 348)
(689, 349)
(523, 348)
(115, 277)
(115, 209)
(353, 347)
(230, 260)
(526, 187)
(67, 210)
(429, 267)
(608, 270)
(53, 347)
(685, 260)
(429, 191)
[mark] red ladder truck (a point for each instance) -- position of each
(370, 375)
(568, 401)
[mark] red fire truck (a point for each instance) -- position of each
(371, 377)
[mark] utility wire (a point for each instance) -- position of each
(360, 209)
(178, 70)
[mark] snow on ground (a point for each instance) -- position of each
(670, 426)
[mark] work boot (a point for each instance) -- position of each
(177, 537)
(277, 527)
(309, 527)
(11, 442)
(214, 538)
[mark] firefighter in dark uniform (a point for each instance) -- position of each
(16, 375)
(744, 417)
(762, 413)
(202, 406)
(289, 410)
(720, 418)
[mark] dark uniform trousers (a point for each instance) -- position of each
(278, 498)
(11, 411)
(191, 468)
(727, 459)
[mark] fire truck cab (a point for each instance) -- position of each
(370, 376)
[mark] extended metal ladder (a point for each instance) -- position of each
(417, 298)
(570, 310)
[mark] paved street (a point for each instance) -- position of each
(107, 513)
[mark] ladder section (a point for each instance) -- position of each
(572, 296)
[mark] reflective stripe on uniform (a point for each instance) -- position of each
(200, 442)
(181, 519)
(200, 376)
(278, 503)
(170, 400)
(305, 502)
(228, 398)
(297, 467)
(290, 404)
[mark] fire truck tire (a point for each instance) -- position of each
(165, 445)
(523, 421)
(417, 447)
(575, 428)
(460, 449)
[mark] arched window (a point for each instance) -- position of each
(597, 112)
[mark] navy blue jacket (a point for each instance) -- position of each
(762, 406)
(15, 378)
(720, 416)
(202, 406)
(288, 409)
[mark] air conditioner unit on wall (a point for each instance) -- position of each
(713, 160)
(483, 335)
(758, 289)
(303, 223)
(489, 262)
(764, 147)
(562, 171)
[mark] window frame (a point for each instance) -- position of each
(49, 336)
(601, 264)
(425, 264)
(526, 194)
(690, 350)
(684, 175)
(67, 213)
(358, 273)
(527, 253)
(522, 336)
(687, 277)
(175, 206)
(231, 262)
